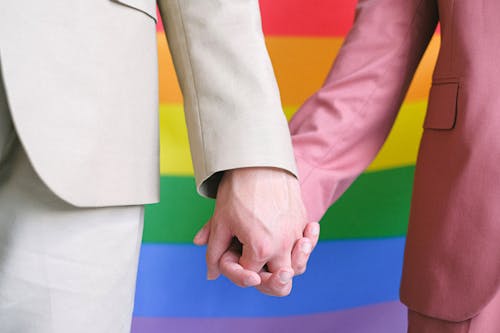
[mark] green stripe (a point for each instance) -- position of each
(376, 205)
(180, 213)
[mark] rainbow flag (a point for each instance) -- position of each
(352, 280)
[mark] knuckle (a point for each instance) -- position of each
(261, 252)
(216, 227)
(300, 269)
(285, 246)
(225, 266)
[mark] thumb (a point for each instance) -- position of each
(201, 237)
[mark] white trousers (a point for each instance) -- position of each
(62, 269)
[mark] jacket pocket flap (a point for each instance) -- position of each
(442, 108)
(146, 6)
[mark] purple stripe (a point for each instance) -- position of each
(387, 317)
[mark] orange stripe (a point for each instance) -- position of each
(301, 65)
(170, 92)
(419, 89)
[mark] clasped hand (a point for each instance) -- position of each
(259, 235)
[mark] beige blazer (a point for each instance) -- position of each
(81, 81)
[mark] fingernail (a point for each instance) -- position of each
(251, 281)
(315, 230)
(306, 247)
(212, 275)
(286, 277)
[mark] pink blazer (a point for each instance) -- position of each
(452, 256)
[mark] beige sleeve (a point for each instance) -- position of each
(231, 99)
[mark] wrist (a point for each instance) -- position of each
(257, 171)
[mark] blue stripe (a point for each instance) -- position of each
(341, 275)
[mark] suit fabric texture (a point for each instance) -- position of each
(81, 81)
(485, 322)
(80, 156)
(452, 257)
(62, 268)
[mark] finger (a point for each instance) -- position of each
(254, 257)
(312, 231)
(218, 242)
(230, 267)
(201, 237)
(304, 247)
(276, 284)
(300, 255)
(281, 262)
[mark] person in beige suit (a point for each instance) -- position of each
(79, 154)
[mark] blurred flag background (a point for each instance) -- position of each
(352, 280)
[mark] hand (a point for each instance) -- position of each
(259, 217)
(271, 283)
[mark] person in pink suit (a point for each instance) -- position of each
(451, 272)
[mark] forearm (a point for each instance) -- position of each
(232, 104)
(340, 129)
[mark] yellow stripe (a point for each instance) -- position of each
(399, 150)
(301, 65)
(401, 146)
(175, 158)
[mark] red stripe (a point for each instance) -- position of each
(305, 17)
(159, 25)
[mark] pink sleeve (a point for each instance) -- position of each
(339, 130)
